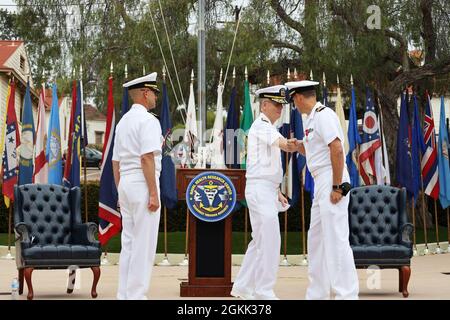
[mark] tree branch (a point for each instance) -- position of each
(428, 70)
(428, 33)
(275, 4)
(281, 44)
(123, 12)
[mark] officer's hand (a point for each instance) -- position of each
(153, 203)
(335, 197)
(292, 145)
(282, 199)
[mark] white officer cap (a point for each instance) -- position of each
(274, 93)
(148, 81)
(300, 86)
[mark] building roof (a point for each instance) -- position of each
(92, 113)
(7, 49)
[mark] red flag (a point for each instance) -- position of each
(68, 163)
(40, 160)
(12, 142)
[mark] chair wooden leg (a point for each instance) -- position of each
(20, 281)
(405, 274)
(400, 280)
(96, 272)
(27, 275)
(71, 283)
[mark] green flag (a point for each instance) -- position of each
(246, 122)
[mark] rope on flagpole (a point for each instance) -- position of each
(165, 64)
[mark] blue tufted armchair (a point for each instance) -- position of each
(379, 230)
(50, 235)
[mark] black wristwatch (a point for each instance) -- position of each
(345, 188)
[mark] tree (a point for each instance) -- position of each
(334, 37)
(7, 21)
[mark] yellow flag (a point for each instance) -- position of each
(3, 123)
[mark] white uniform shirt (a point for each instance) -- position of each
(263, 153)
(137, 133)
(321, 128)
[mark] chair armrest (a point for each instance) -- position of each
(406, 231)
(84, 234)
(22, 234)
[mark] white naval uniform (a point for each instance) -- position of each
(331, 263)
(258, 272)
(137, 133)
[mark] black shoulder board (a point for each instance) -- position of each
(156, 116)
(320, 108)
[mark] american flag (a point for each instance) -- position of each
(110, 222)
(12, 142)
(370, 142)
(430, 173)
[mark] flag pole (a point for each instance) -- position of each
(425, 251)
(302, 196)
(165, 261)
(382, 136)
(9, 256)
(285, 261)
(438, 249)
(185, 261)
(414, 225)
(448, 231)
(84, 149)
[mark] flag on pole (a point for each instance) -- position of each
(217, 156)
(53, 150)
(385, 164)
(167, 181)
(285, 130)
(84, 136)
(417, 148)
(354, 139)
(430, 172)
(341, 116)
(12, 142)
(75, 169)
(68, 163)
(404, 171)
(191, 133)
(444, 169)
(299, 161)
(40, 159)
(370, 142)
(110, 220)
(246, 123)
(230, 138)
(3, 112)
(27, 146)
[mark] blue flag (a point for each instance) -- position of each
(26, 148)
(125, 102)
(53, 149)
(444, 169)
(309, 183)
(75, 168)
(325, 96)
(404, 171)
(167, 180)
(354, 140)
(230, 143)
(417, 148)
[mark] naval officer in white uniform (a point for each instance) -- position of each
(258, 272)
(331, 264)
(137, 166)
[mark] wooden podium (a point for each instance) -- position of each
(210, 243)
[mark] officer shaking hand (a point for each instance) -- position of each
(331, 266)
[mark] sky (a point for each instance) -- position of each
(5, 4)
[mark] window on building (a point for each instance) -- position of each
(22, 63)
(99, 137)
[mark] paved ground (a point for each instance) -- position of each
(428, 281)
